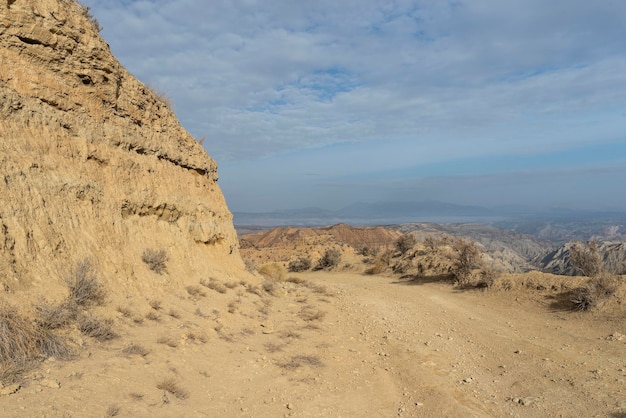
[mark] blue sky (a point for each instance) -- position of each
(325, 103)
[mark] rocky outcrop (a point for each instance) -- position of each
(94, 164)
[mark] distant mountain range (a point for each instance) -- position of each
(557, 225)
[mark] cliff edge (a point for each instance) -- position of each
(93, 164)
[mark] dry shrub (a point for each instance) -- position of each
(467, 259)
(251, 265)
(273, 271)
(595, 292)
(100, 329)
(153, 316)
(112, 411)
(170, 385)
(381, 263)
(55, 316)
(84, 286)
(586, 258)
(273, 347)
(195, 291)
(213, 284)
(174, 313)
(301, 360)
(300, 264)
(135, 349)
(155, 259)
(155, 304)
(296, 280)
(310, 313)
(405, 243)
(168, 340)
(23, 342)
(330, 259)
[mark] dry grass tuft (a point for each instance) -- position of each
(155, 259)
(23, 342)
(155, 304)
(170, 385)
(195, 291)
(273, 347)
(136, 396)
(55, 316)
(153, 316)
(168, 340)
(174, 313)
(273, 271)
(595, 292)
(125, 311)
(213, 284)
(83, 285)
(301, 360)
(133, 349)
(310, 313)
(100, 329)
(112, 411)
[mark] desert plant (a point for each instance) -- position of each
(467, 259)
(585, 259)
(195, 291)
(405, 243)
(170, 385)
(300, 264)
(83, 284)
(380, 264)
(155, 259)
(100, 329)
(301, 360)
(112, 411)
(597, 290)
(330, 259)
(213, 284)
(24, 342)
(274, 271)
(55, 316)
(135, 349)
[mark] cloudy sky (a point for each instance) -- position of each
(325, 103)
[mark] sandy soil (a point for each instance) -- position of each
(339, 345)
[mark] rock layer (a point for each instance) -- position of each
(94, 164)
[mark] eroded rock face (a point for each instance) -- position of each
(94, 164)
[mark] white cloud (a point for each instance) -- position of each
(437, 79)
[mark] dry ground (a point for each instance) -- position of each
(339, 345)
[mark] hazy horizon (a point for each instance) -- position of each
(326, 103)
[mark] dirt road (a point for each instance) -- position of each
(336, 345)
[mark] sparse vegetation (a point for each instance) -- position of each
(595, 292)
(135, 349)
(112, 411)
(274, 271)
(380, 264)
(586, 259)
(155, 259)
(24, 342)
(301, 360)
(84, 286)
(330, 259)
(168, 340)
(405, 243)
(213, 284)
(170, 385)
(100, 329)
(195, 291)
(300, 264)
(467, 259)
(55, 316)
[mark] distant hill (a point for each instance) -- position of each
(377, 213)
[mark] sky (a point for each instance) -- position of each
(327, 103)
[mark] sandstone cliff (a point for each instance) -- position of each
(94, 164)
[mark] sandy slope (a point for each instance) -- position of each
(361, 346)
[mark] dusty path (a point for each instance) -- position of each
(451, 353)
(338, 345)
